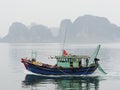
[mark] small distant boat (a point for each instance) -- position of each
(67, 65)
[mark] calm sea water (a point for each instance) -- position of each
(13, 75)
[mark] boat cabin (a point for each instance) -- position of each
(72, 61)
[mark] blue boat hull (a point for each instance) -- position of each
(59, 71)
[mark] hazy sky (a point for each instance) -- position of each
(52, 12)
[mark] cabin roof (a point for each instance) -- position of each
(72, 56)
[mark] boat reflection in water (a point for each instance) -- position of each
(35, 82)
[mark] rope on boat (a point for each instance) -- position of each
(86, 70)
(62, 71)
(68, 73)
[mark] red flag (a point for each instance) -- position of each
(65, 53)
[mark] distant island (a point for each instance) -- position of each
(85, 29)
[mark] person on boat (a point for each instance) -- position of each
(33, 60)
(87, 61)
(71, 63)
(96, 61)
(80, 63)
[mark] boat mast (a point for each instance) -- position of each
(64, 40)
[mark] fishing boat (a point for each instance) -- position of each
(67, 65)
